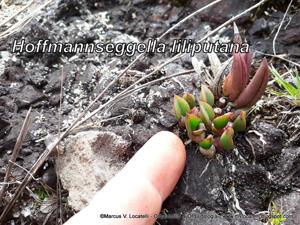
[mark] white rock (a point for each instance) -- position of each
(90, 159)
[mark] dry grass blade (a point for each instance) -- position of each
(20, 24)
(188, 17)
(279, 28)
(16, 150)
(16, 14)
(279, 57)
(132, 91)
(48, 216)
(59, 215)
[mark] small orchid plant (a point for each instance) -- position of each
(210, 124)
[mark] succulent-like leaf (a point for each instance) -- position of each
(192, 122)
(255, 89)
(191, 100)
(218, 146)
(209, 153)
(207, 113)
(226, 140)
(239, 76)
(247, 59)
(239, 124)
(207, 142)
(205, 107)
(194, 111)
(227, 85)
(194, 128)
(200, 131)
(221, 121)
(217, 132)
(206, 95)
(197, 135)
(237, 39)
(180, 107)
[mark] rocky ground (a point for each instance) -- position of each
(235, 188)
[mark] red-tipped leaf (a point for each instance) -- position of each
(255, 89)
(239, 79)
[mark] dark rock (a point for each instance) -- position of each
(288, 168)
(287, 39)
(259, 27)
(88, 78)
(173, 68)
(289, 206)
(265, 139)
(69, 8)
(49, 177)
(138, 116)
(157, 95)
(136, 2)
(142, 65)
(28, 96)
(167, 118)
(54, 99)
(245, 221)
(3, 127)
(13, 131)
(121, 107)
(100, 4)
(54, 78)
(9, 140)
(143, 132)
(106, 77)
(296, 179)
(253, 187)
(291, 35)
(36, 79)
(26, 151)
(204, 217)
(30, 159)
(4, 90)
(159, 102)
(124, 132)
(3, 124)
(223, 10)
(32, 33)
(7, 106)
(13, 73)
(2, 168)
(202, 181)
(89, 73)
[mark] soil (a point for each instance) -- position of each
(265, 165)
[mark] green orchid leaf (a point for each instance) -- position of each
(207, 113)
(191, 100)
(221, 121)
(206, 95)
(239, 124)
(180, 107)
(207, 142)
(226, 140)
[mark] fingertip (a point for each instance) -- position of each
(163, 159)
(170, 143)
